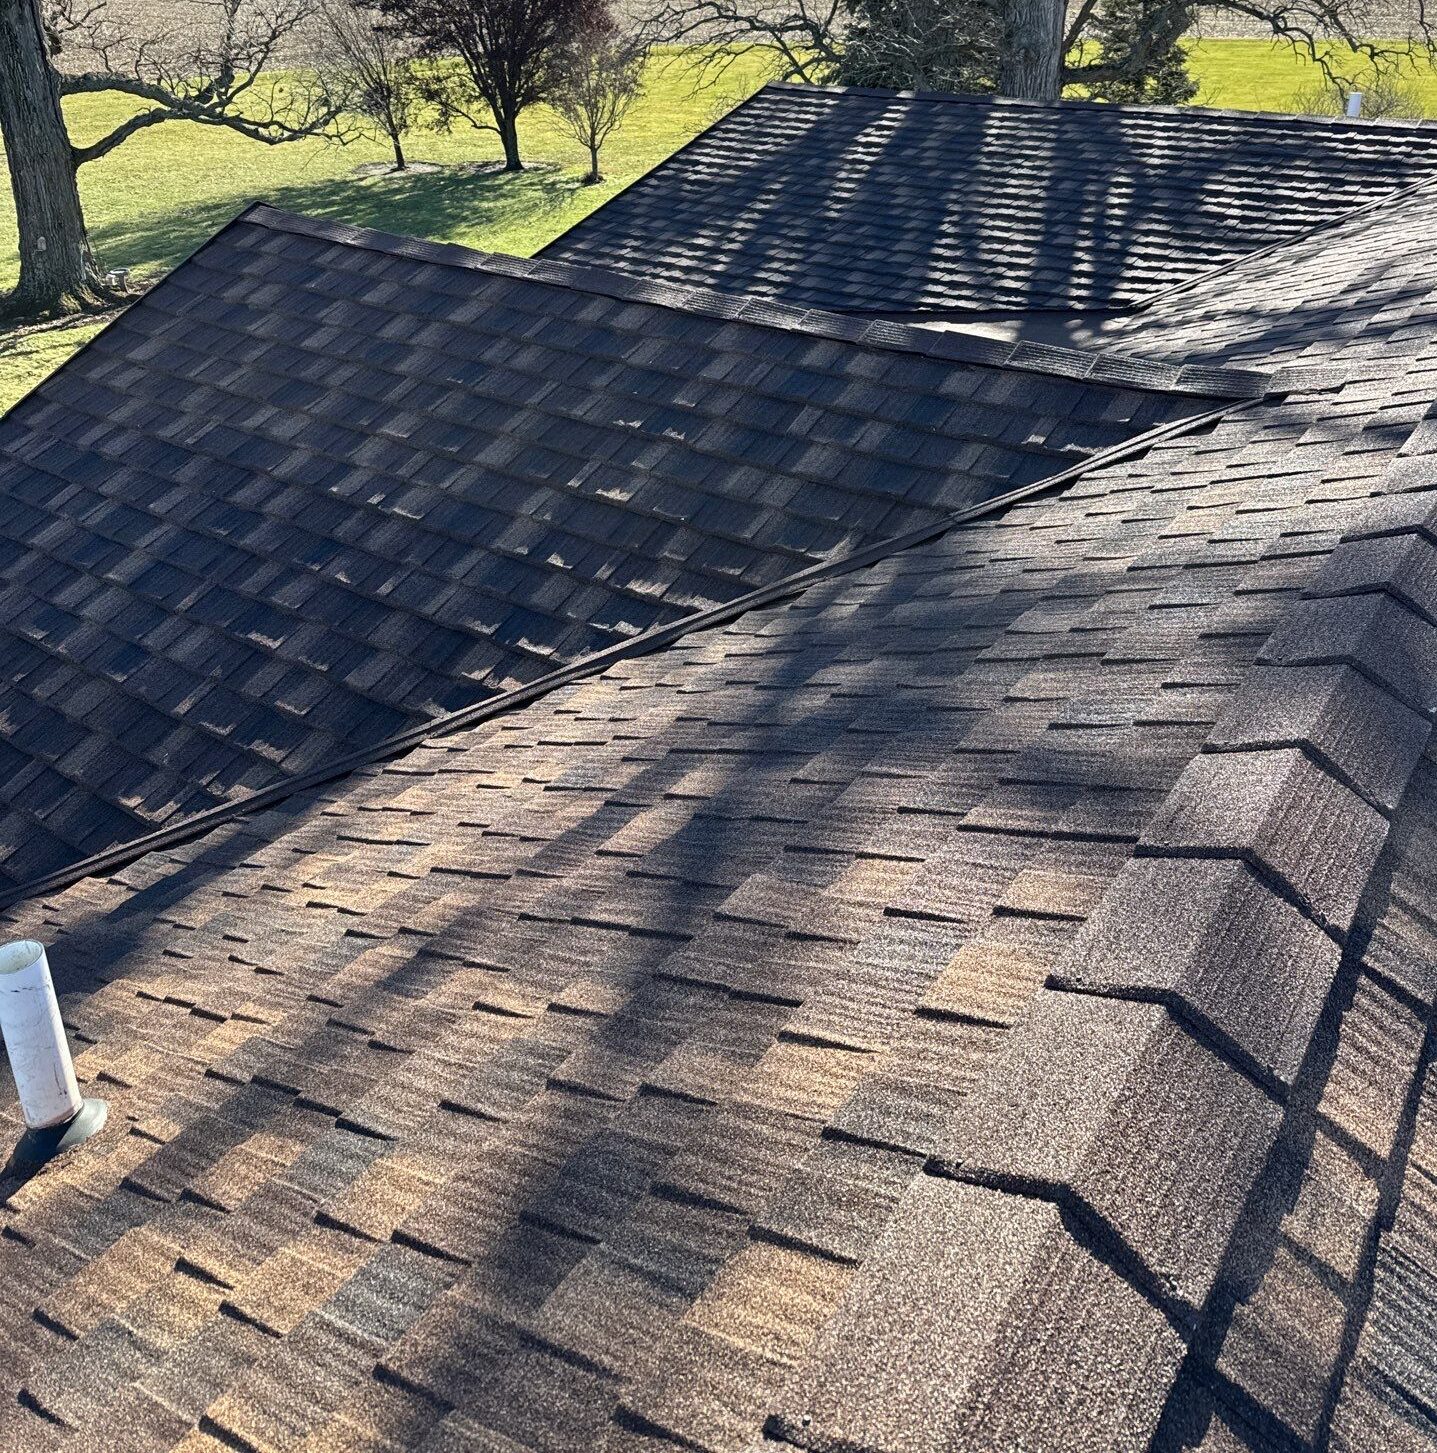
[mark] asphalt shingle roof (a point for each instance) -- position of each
(981, 997)
(818, 1033)
(1362, 288)
(323, 484)
(873, 201)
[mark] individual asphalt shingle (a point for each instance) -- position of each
(1117, 1106)
(1404, 566)
(962, 1279)
(1092, 206)
(1277, 811)
(323, 485)
(1211, 939)
(1378, 1042)
(1285, 1342)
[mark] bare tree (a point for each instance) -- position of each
(801, 40)
(372, 66)
(507, 51)
(600, 74)
(210, 74)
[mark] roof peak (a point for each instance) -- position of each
(864, 331)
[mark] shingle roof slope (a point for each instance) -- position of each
(823, 1032)
(1364, 289)
(322, 484)
(879, 201)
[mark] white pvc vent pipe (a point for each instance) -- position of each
(35, 1037)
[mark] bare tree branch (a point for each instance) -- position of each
(801, 40)
(908, 42)
(210, 74)
(600, 74)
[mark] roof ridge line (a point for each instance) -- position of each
(1113, 368)
(1141, 108)
(656, 638)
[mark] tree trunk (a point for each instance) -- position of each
(509, 135)
(1031, 66)
(594, 174)
(399, 163)
(57, 269)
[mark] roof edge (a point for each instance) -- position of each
(115, 316)
(173, 835)
(1187, 114)
(1112, 369)
(662, 164)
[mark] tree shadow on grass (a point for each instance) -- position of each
(434, 205)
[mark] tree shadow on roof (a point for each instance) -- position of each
(551, 1045)
(891, 205)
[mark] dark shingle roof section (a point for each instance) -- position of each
(622, 1075)
(874, 201)
(322, 484)
(1360, 292)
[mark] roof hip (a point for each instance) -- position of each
(1144, 1093)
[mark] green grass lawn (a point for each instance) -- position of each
(1261, 75)
(26, 358)
(158, 196)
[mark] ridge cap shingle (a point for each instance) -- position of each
(876, 333)
(1169, 1116)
